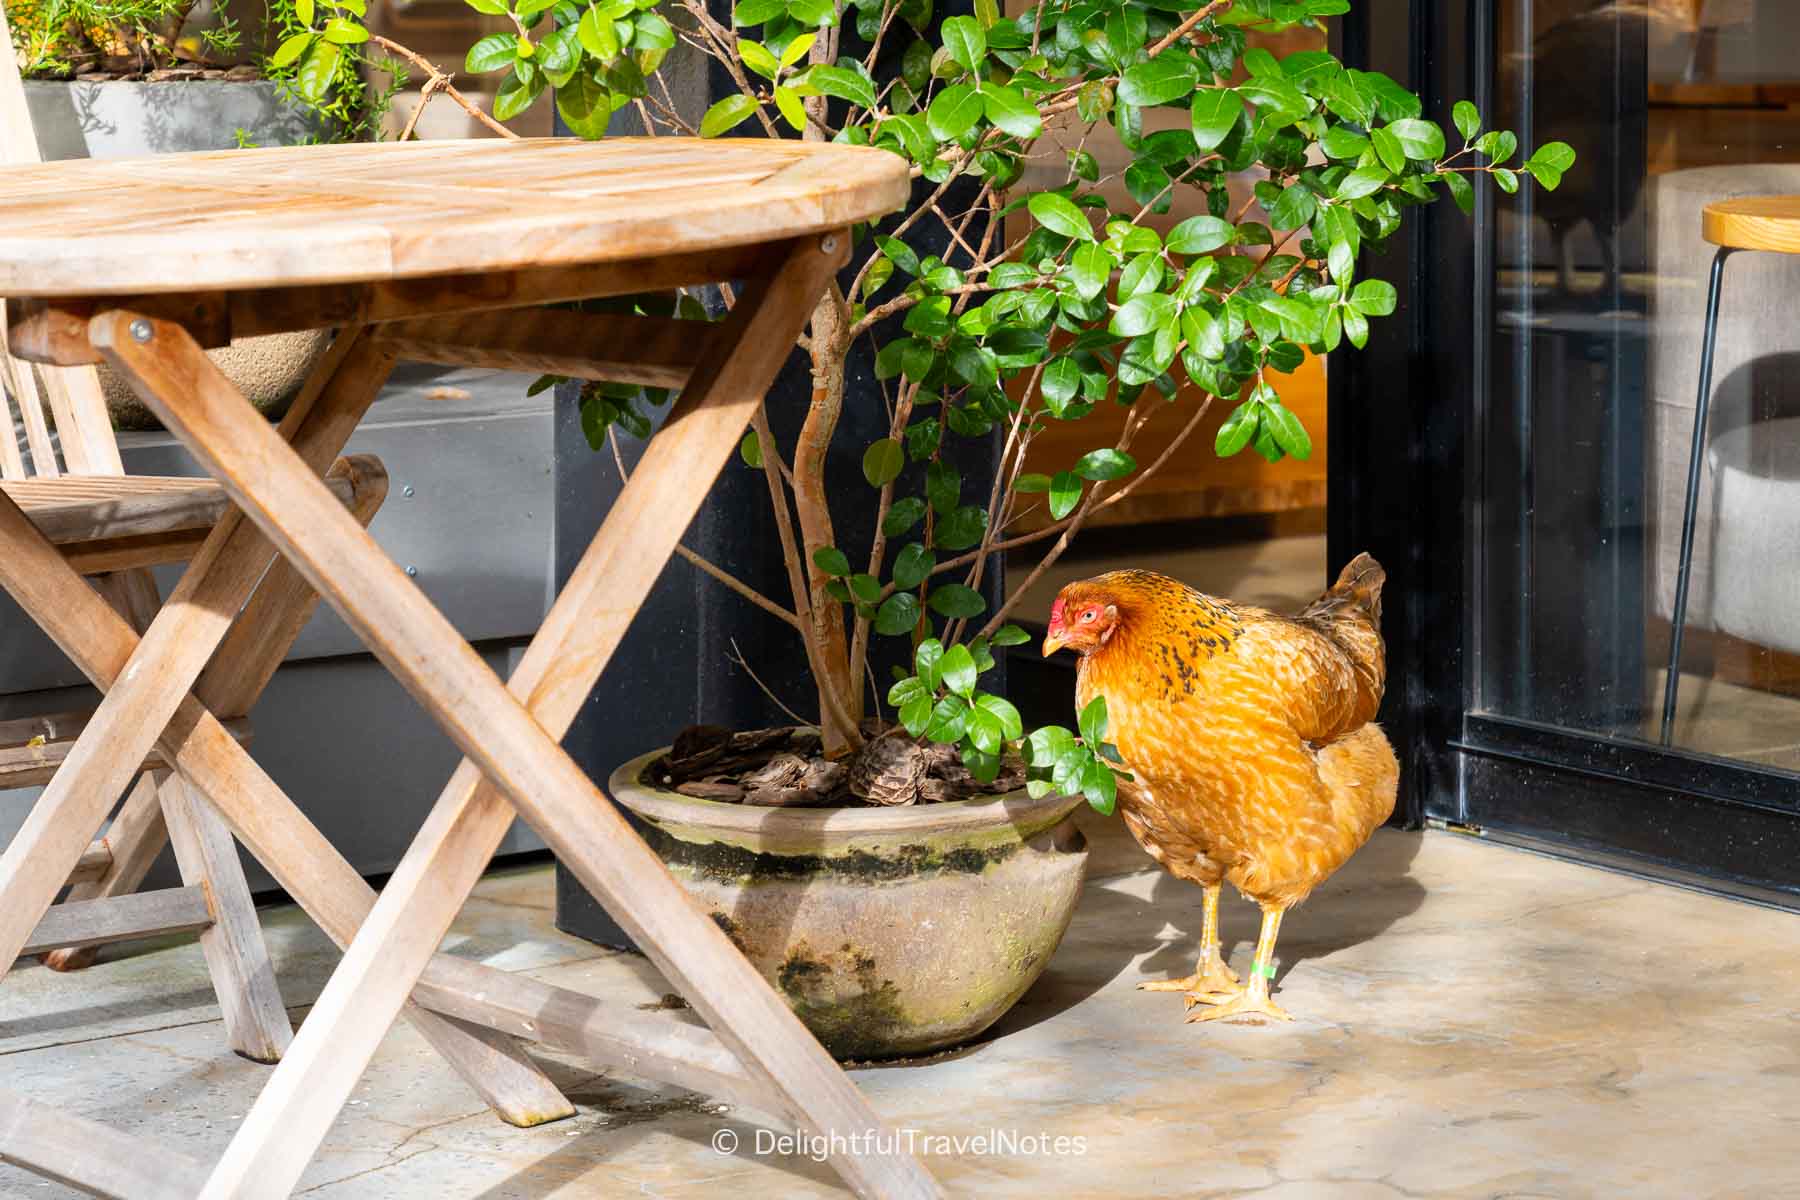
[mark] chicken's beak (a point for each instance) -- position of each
(1053, 642)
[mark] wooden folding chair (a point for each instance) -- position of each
(69, 479)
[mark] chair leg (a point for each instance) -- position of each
(256, 1021)
(1685, 563)
(135, 837)
(101, 643)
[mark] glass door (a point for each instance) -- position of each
(1554, 361)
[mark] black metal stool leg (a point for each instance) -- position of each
(1702, 403)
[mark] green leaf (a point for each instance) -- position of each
(1143, 314)
(1364, 181)
(954, 112)
(796, 50)
(1214, 114)
(831, 560)
(813, 13)
(1290, 433)
(985, 731)
(949, 720)
(899, 253)
(962, 528)
(912, 566)
(1498, 145)
(756, 12)
(1008, 108)
(915, 714)
(793, 111)
(1554, 155)
(1011, 635)
(1197, 235)
(756, 56)
(304, 10)
(1508, 180)
(1238, 429)
(903, 515)
(494, 8)
(843, 83)
(943, 486)
(1340, 142)
(957, 670)
(317, 70)
(1356, 327)
(586, 108)
(1060, 215)
(750, 449)
(726, 115)
(1549, 163)
(1165, 78)
(882, 462)
(1100, 787)
(598, 36)
(1092, 722)
(1089, 268)
(957, 600)
(1062, 377)
(897, 614)
(1374, 298)
(492, 52)
(1295, 208)
(291, 49)
(1422, 140)
(964, 38)
(906, 690)
(1388, 149)
(1105, 464)
(1461, 190)
(1065, 493)
(1467, 118)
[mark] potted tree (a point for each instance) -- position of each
(898, 862)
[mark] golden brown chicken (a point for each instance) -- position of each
(1250, 738)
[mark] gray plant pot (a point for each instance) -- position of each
(126, 119)
(889, 931)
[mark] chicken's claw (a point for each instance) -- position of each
(1213, 976)
(1247, 1003)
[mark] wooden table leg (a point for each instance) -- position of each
(240, 670)
(180, 641)
(171, 373)
(100, 644)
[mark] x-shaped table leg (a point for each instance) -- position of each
(147, 697)
(506, 744)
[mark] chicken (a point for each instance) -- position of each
(1251, 741)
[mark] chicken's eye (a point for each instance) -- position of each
(1089, 615)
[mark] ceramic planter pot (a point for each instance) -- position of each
(890, 931)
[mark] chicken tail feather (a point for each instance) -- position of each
(1358, 586)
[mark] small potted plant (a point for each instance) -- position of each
(902, 873)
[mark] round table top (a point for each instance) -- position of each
(234, 219)
(1754, 223)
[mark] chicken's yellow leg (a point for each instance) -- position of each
(1253, 1000)
(1211, 973)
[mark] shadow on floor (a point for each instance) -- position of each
(1112, 927)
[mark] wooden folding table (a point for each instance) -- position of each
(463, 253)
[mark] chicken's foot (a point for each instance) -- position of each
(1253, 999)
(1212, 973)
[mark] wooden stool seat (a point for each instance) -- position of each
(1770, 223)
(134, 520)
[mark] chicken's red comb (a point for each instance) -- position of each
(1056, 611)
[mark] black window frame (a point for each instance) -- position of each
(1406, 418)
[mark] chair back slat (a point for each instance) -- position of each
(83, 426)
(12, 463)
